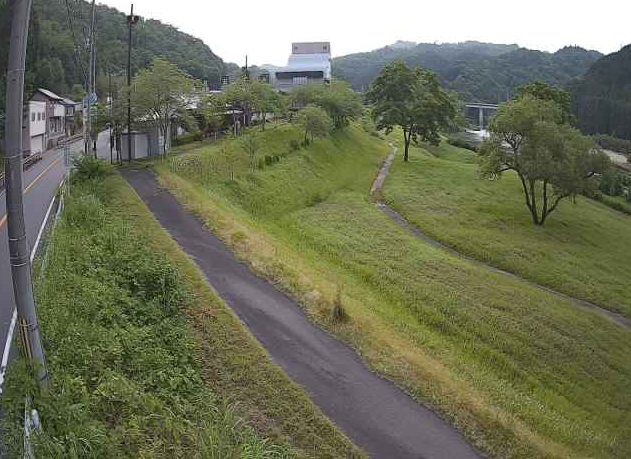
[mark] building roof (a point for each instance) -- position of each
(67, 101)
(51, 95)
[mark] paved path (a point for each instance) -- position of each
(400, 220)
(374, 413)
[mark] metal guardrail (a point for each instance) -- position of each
(27, 163)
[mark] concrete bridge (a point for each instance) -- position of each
(480, 114)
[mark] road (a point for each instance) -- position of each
(378, 416)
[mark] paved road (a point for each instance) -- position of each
(373, 412)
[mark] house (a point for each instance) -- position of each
(34, 128)
(72, 108)
(309, 63)
(55, 116)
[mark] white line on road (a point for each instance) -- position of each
(14, 318)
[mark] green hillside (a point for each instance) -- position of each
(521, 372)
(480, 72)
(603, 97)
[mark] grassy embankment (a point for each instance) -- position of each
(583, 250)
(146, 360)
(521, 372)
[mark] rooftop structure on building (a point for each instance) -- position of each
(309, 63)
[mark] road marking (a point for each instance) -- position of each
(7, 345)
(3, 221)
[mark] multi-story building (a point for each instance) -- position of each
(55, 115)
(34, 128)
(309, 63)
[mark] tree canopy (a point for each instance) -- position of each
(160, 93)
(314, 121)
(552, 159)
(414, 100)
(338, 99)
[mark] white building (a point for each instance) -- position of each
(34, 128)
(308, 63)
(55, 115)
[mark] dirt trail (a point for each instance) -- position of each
(378, 416)
(400, 220)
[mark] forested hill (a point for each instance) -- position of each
(57, 26)
(482, 72)
(603, 98)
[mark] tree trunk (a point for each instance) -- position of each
(533, 203)
(407, 137)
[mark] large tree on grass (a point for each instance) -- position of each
(552, 159)
(338, 99)
(414, 100)
(160, 93)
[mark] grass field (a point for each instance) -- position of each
(583, 250)
(520, 372)
(146, 360)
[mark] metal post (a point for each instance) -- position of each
(18, 244)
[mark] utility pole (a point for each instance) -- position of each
(88, 142)
(18, 244)
(111, 102)
(131, 21)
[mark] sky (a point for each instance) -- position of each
(264, 30)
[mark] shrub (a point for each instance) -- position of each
(339, 314)
(88, 168)
(189, 138)
(294, 145)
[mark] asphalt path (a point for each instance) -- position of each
(374, 413)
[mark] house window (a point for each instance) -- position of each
(39, 117)
(32, 116)
(43, 115)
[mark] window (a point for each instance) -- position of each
(32, 116)
(39, 117)
(43, 115)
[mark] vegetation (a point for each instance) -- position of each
(314, 122)
(602, 100)
(552, 160)
(338, 99)
(480, 72)
(146, 360)
(161, 93)
(521, 372)
(583, 251)
(614, 143)
(412, 100)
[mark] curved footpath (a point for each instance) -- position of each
(378, 416)
(400, 220)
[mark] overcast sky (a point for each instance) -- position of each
(265, 29)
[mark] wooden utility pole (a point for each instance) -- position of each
(18, 244)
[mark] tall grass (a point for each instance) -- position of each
(126, 373)
(521, 372)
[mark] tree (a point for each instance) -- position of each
(314, 121)
(161, 93)
(542, 91)
(338, 99)
(250, 144)
(552, 159)
(265, 100)
(412, 100)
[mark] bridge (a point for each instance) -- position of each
(480, 114)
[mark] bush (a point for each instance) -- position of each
(461, 143)
(189, 138)
(89, 168)
(294, 145)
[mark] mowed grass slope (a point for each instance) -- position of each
(145, 359)
(521, 372)
(583, 250)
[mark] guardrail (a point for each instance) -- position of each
(27, 163)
